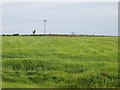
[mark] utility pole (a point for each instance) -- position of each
(44, 26)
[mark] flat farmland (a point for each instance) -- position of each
(59, 62)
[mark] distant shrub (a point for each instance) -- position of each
(6, 35)
(15, 34)
(3, 35)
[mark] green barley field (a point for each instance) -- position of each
(59, 62)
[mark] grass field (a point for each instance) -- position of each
(58, 61)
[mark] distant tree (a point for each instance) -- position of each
(34, 31)
(17, 34)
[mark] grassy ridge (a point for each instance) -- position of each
(69, 62)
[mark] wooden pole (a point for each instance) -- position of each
(44, 26)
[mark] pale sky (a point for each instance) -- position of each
(64, 17)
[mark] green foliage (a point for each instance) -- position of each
(55, 61)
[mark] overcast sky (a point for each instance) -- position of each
(64, 17)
